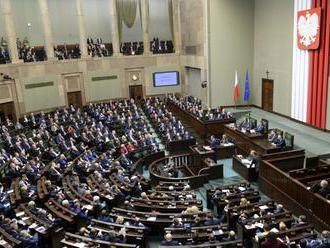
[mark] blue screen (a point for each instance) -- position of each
(170, 78)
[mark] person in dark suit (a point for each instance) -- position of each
(214, 142)
(279, 141)
(323, 189)
(168, 240)
(272, 241)
(231, 236)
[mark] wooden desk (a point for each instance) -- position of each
(223, 152)
(246, 142)
(199, 154)
(203, 128)
(285, 189)
(249, 174)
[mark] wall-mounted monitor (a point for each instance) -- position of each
(167, 78)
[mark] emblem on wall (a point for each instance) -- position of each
(309, 29)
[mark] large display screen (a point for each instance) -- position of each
(168, 78)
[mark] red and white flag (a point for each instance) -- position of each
(236, 90)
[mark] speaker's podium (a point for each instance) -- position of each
(199, 154)
(203, 160)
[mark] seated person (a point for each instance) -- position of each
(231, 237)
(246, 124)
(224, 140)
(279, 141)
(272, 241)
(302, 221)
(323, 189)
(168, 240)
(260, 127)
(272, 136)
(214, 142)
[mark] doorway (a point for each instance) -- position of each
(74, 98)
(136, 92)
(267, 94)
(7, 110)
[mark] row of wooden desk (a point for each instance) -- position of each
(247, 141)
(276, 182)
(203, 128)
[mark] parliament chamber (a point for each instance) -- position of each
(164, 123)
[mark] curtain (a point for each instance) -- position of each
(170, 17)
(119, 18)
(127, 12)
(319, 71)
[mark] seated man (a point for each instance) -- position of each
(168, 240)
(246, 124)
(272, 136)
(224, 140)
(272, 241)
(279, 141)
(214, 142)
(260, 128)
(323, 189)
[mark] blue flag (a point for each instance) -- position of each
(247, 87)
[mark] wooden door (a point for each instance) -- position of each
(74, 98)
(136, 92)
(267, 94)
(7, 110)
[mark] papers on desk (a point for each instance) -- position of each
(241, 188)
(152, 218)
(34, 225)
(260, 225)
(217, 232)
(88, 207)
(263, 207)
(274, 230)
(251, 226)
(41, 229)
(207, 148)
(225, 190)
(246, 162)
(228, 144)
(3, 242)
(19, 214)
(25, 218)
(252, 131)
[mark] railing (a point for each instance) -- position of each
(284, 188)
(181, 161)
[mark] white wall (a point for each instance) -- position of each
(135, 32)
(273, 39)
(24, 12)
(64, 21)
(194, 82)
(97, 19)
(159, 20)
(231, 30)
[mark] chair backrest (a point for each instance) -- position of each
(265, 123)
(253, 122)
(289, 139)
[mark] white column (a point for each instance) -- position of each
(47, 26)
(114, 27)
(176, 26)
(10, 30)
(145, 25)
(82, 29)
